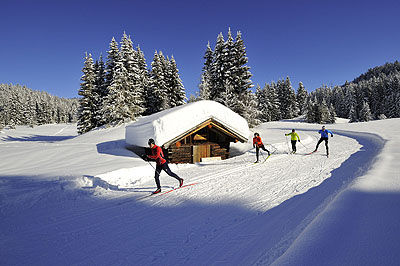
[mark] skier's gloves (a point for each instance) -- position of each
(144, 157)
(331, 136)
(299, 140)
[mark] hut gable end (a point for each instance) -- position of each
(190, 132)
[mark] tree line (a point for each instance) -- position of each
(20, 105)
(226, 79)
(371, 96)
(123, 88)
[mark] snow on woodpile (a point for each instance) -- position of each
(166, 125)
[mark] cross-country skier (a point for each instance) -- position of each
(294, 137)
(158, 155)
(324, 137)
(257, 143)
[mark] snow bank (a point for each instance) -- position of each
(166, 125)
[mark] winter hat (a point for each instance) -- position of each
(151, 141)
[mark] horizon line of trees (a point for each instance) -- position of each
(123, 88)
(20, 105)
(225, 78)
(371, 96)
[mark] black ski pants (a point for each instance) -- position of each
(164, 167)
(258, 149)
(326, 144)
(294, 145)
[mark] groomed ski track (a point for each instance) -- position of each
(236, 212)
(239, 213)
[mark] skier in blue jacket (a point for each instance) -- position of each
(324, 136)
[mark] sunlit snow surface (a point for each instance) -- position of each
(80, 200)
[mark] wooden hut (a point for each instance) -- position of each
(190, 133)
(210, 139)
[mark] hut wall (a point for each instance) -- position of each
(184, 153)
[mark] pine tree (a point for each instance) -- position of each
(176, 93)
(262, 104)
(134, 93)
(365, 112)
(332, 114)
(287, 99)
(338, 100)
(310, 117)
(100, 91)
(143, 81)
(230, 67)
(241, 71)
(353, 114)
(117, 110)
(249, 111)
(324, 111)
(301, 98)
(218, 68)
(226, 77)
(206, 84)
(112, 58)
(86, 116)
(272, 99)
(157, 94)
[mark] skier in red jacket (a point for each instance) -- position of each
(158, 155)
(257, 143)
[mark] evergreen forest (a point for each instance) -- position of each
(123, 88)
(20, 105)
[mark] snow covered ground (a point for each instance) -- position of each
(80, 200)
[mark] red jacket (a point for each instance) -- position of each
(157, 154)
(257, 141)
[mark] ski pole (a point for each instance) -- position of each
(153, 167)
(303, 145)
(273, 147)
(287, 143)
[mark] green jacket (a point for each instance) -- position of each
(293, 136)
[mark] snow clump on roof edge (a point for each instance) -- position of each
(168, 124)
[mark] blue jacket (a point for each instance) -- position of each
(324, 133)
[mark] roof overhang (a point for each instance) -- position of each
(215, 124)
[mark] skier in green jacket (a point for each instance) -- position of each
(293, 138)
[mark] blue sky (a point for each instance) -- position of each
(317, 42)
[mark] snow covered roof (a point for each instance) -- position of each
(167, 125)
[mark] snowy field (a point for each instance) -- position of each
(80, 200)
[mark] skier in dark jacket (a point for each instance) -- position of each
(158, 155)
(258, 144)
(324, 137)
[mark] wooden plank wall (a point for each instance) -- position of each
(184, 154)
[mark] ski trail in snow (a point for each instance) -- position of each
(58, 132)
(240, 213)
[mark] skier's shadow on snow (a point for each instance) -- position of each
(98, 182)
